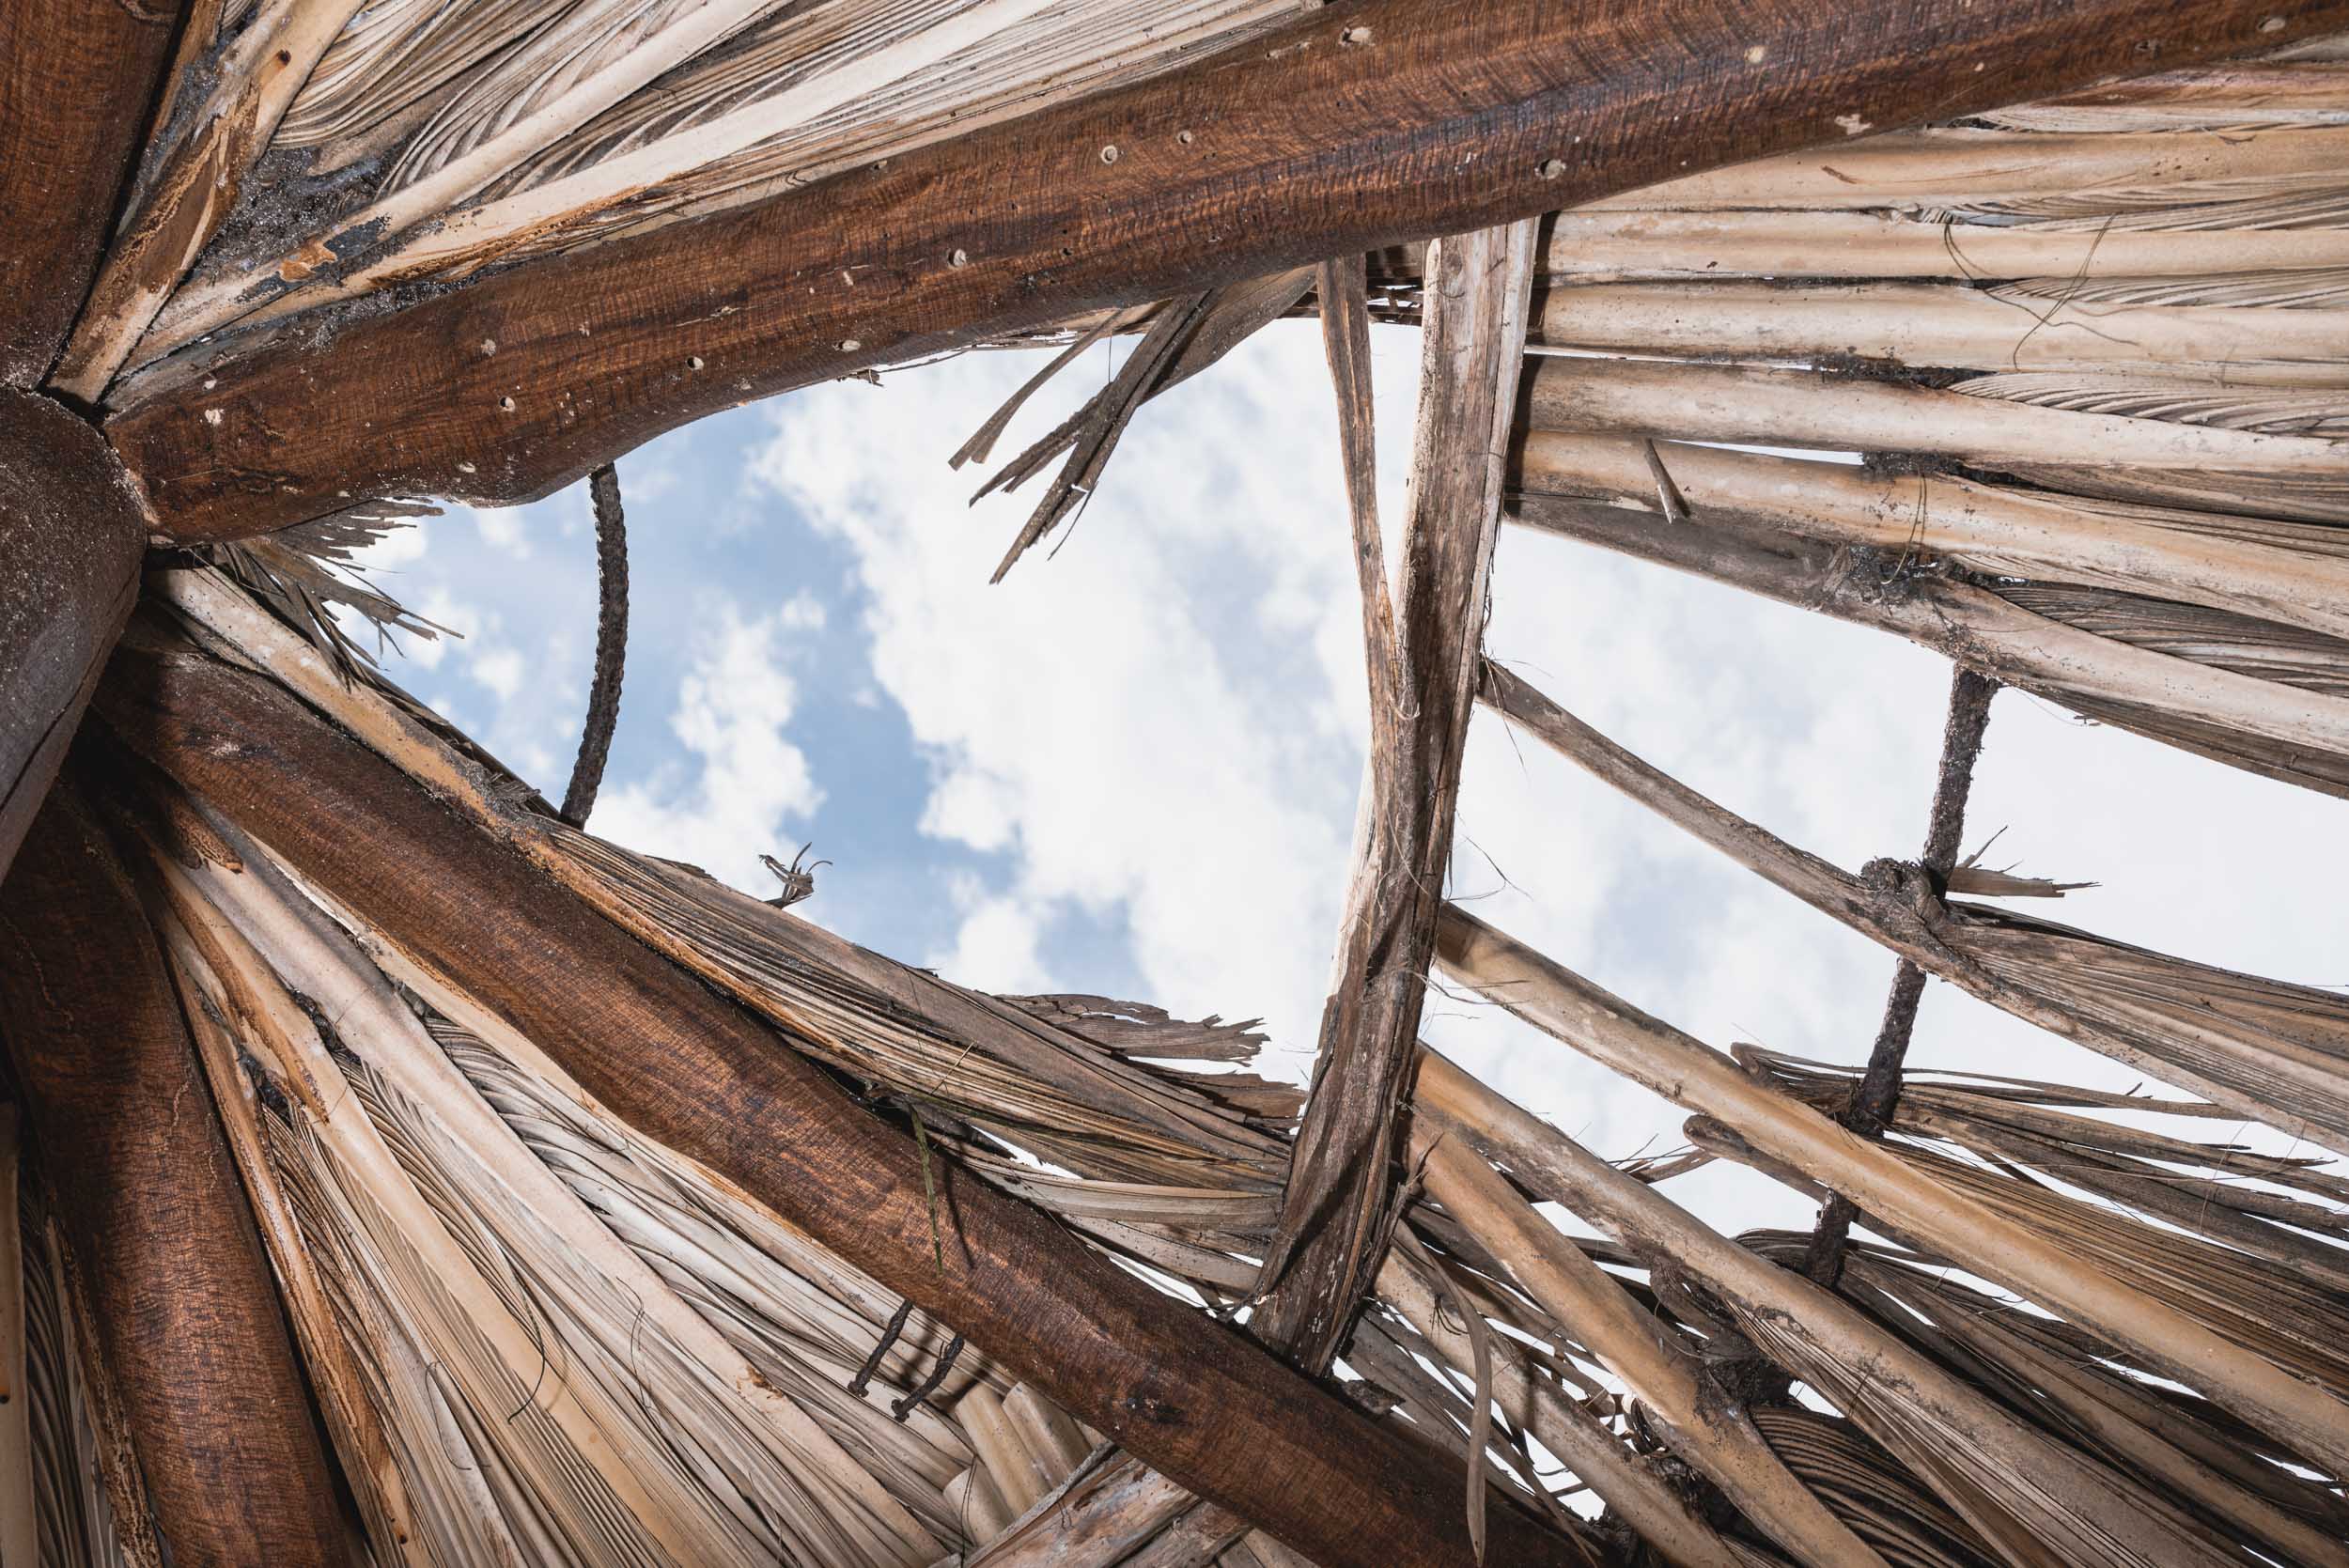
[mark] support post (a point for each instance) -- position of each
(1338, 1205)
(71, 532)
(187, 1315)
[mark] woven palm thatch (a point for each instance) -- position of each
(458, 1188)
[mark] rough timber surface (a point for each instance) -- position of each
(1196, 1400)
(71, 537)
(1369, 124)
(1338, 1205)
(186, 1312)
(75, 80)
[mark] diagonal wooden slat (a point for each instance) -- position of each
(1796, 1137)
(1364, 125)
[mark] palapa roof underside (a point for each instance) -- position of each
(398, 1174)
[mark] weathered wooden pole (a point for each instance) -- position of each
(186, 1313)
(71, 533)
(1201, 1403)
(1366, 124)
(1338, 1207)
(76, 79)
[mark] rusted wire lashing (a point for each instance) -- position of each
(603, 697)
(1880, 1087)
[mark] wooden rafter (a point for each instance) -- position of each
(76, 81)
(131, 1147)
(701, 1077)
(1364, 125)
(71, 537)
(1337, 1207)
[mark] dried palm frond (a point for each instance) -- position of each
(416, 1150)
(2273, 91)
(304, 572)
(2066, 1383)
(1786, 1133)
(2271, 410)
(1189, 335)
(1599, 246)
(1906, 1524)
(391, 65)
(1953, 326)
(534, 74)
(1719, 1442)
(2224, 1191)
(77, 1473)
(2007, 1481)
(2316, 289)
(1069, 50)
(623, 113)
(2294, 574)
(1948, 168)
(916, 1036)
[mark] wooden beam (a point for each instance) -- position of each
(1336, 1208)
(76, 79)
(1367, 124)
(187, 1315)
(71, 537)
(1200, 1403)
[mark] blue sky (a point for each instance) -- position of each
(1131, 767)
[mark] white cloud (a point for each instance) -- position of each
(1156, 724)
(503, 528)
(500, 670)
(1157, 734)
(996, 947)
(747, 782)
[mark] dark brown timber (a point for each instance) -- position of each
(1336, 1209)
(71, 537)
(1368, 124)
(1204, 1404)
(76, 77)
(1878, 1092)
(186, 1313)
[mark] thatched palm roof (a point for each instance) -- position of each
(397, 1173)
